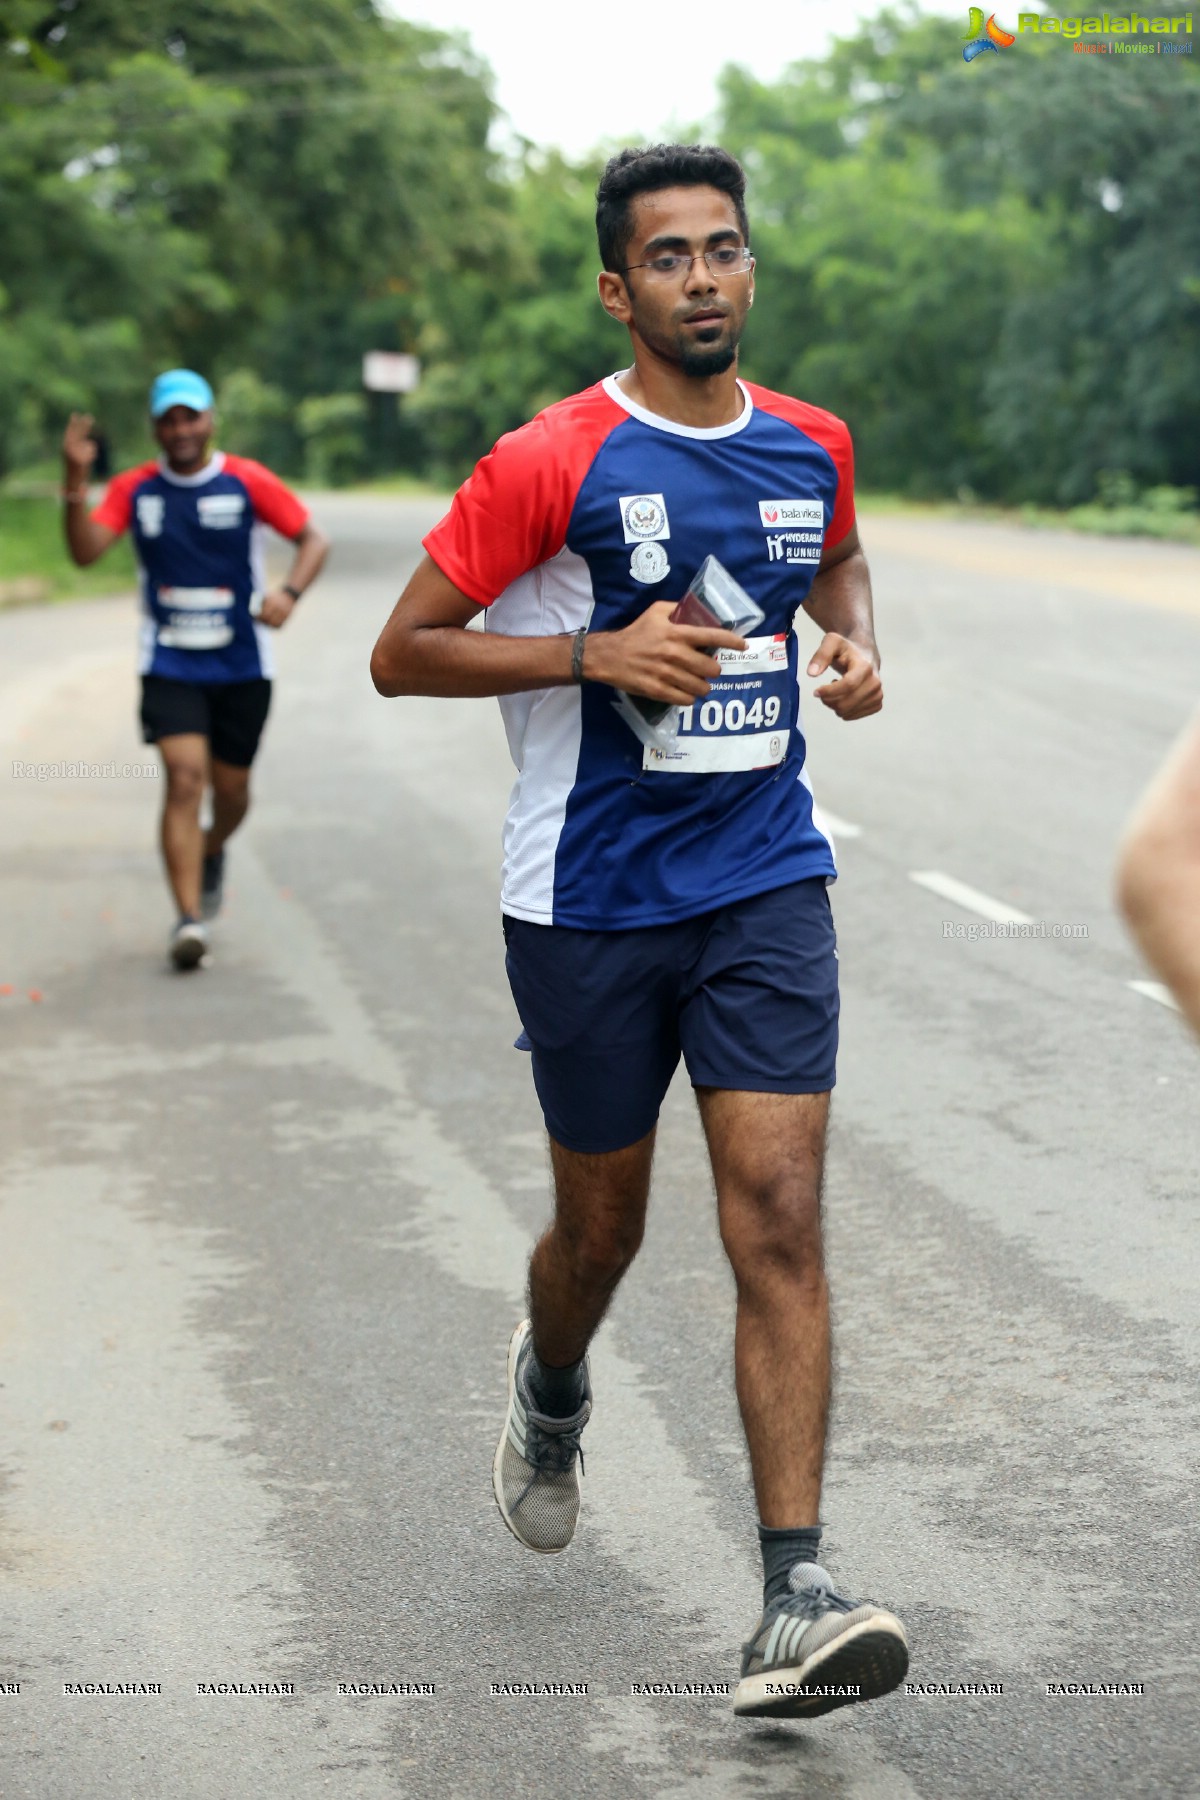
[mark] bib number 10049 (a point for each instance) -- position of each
(761, 714)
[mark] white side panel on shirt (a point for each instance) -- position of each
(543, 730)
(264, 636)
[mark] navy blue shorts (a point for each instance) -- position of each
(748, 994)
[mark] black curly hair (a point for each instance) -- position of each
(633, 172)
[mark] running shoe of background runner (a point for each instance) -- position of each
(535, 1476)
(815, 1650)
(189, 944)
(212, 885)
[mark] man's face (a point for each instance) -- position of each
(691, 318)
(184, 434)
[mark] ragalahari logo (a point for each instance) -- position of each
(985, 37)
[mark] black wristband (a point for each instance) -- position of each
(577, 654)
(287, 588)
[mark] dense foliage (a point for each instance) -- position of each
(993, 271)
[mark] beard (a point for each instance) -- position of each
(690, 353)
(700, 361)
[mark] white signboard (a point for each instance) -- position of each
(390, 372)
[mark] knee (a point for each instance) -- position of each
(232, 791)
(185, 785)
(774, 1233)
(600, 1253)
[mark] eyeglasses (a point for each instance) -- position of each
(726, 259)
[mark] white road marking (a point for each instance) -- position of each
(971, 899)
(838, 827)
(467, 1229)
(1154, 990)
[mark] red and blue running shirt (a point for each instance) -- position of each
(586, 515)
(198, 540)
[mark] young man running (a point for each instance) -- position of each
(657, 905)
(206, 656)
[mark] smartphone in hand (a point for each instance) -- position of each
(713, 598)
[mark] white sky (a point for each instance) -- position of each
(573, 74)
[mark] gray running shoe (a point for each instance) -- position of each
(815, 1651)
(212, 885)
(534, 1474)
(189, 944)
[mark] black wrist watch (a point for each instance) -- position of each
(287, 588)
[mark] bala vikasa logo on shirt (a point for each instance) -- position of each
(644, 517)
(808, 513)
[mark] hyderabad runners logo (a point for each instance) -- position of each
(985, 37)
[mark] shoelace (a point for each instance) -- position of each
(814, 1603)
(551, 1453)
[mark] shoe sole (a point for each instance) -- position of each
(514, 1345)
(872, 1656)
(189, 954)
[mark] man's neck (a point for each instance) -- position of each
(189, 468)
(699, 401)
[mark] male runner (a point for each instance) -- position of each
(1159, 873)
(206, 658)
(657, 905)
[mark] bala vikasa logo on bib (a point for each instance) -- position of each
(809, 513)
(644, 517)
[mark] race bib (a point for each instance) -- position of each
(197, 618)
(744, 723)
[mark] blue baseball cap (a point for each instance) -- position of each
(179, 387)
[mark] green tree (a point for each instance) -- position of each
(265, 186)
(493, 366)
(990, 270)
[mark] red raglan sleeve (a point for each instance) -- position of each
(116, 509)
(273, 502)
(833, 435)
(512, 513)
(840, 446)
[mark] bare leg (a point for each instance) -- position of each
(230, 803)
(599, 1216)
(185, 761)
(768, 1154)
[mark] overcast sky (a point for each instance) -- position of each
(573, 74)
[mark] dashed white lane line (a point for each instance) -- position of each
(978, 902)
(1154, 990)
(841, 828)
(971, 898)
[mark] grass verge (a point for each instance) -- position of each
(35, 566)
(1165, 513)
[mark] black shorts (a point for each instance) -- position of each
(230, 714)
(748, 994)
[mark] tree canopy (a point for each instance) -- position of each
(992, 271)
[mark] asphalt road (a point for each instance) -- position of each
(263, 1230)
